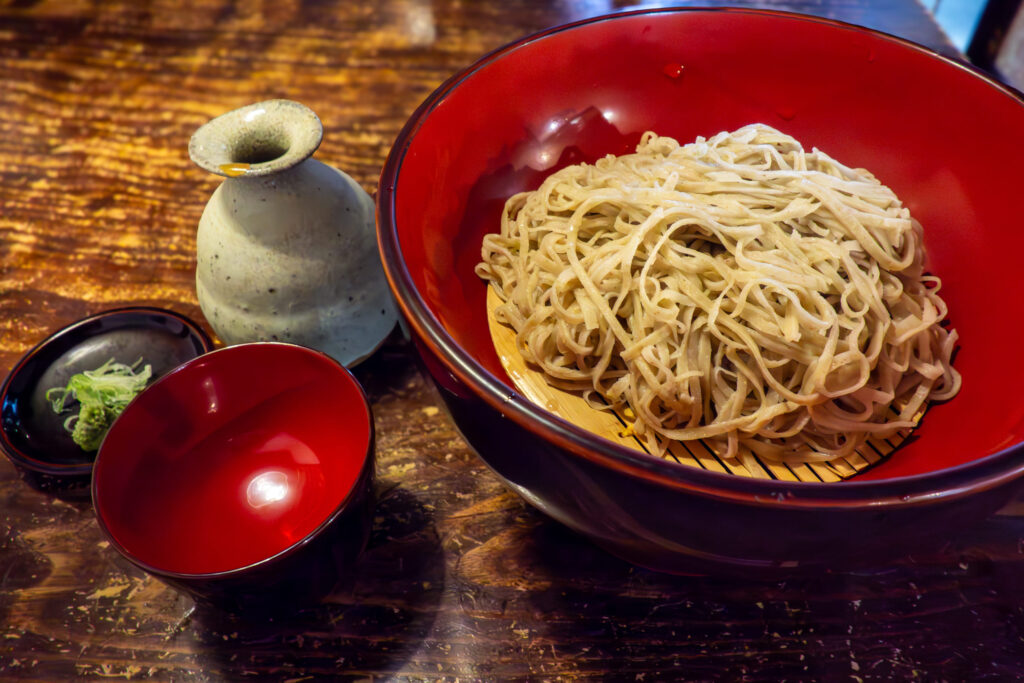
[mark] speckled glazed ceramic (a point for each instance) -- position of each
(286, 246)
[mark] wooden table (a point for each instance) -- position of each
(461, 580)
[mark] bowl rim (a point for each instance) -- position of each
(366, 471)
(23, 459)
(989, 472)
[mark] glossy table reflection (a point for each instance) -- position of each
(461, 580)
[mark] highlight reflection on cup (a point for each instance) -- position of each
(267, 488)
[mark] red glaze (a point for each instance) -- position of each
(672, 70)
(232, 459)
(947, 140)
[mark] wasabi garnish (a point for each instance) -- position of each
(102, 395)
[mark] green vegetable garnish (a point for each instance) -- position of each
(102, 395)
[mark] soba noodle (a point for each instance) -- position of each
(737, 289)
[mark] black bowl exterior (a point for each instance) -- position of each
(33, 436)
(668, 526)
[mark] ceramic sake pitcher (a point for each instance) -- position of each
(286, 246)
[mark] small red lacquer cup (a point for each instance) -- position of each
(244, 477)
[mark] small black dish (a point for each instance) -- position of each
(33, 435)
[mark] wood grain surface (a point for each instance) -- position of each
(461, 580)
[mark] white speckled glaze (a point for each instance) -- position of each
(287, 250)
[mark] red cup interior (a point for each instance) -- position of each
(946, 139)
(232, 459)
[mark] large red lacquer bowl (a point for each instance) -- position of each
(945, 137)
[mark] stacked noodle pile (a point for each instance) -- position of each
(738, 289)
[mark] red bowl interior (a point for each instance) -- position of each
(944, 137)
(232, 458)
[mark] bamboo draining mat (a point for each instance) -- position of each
(615, 427)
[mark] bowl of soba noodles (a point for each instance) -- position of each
(722, 289)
